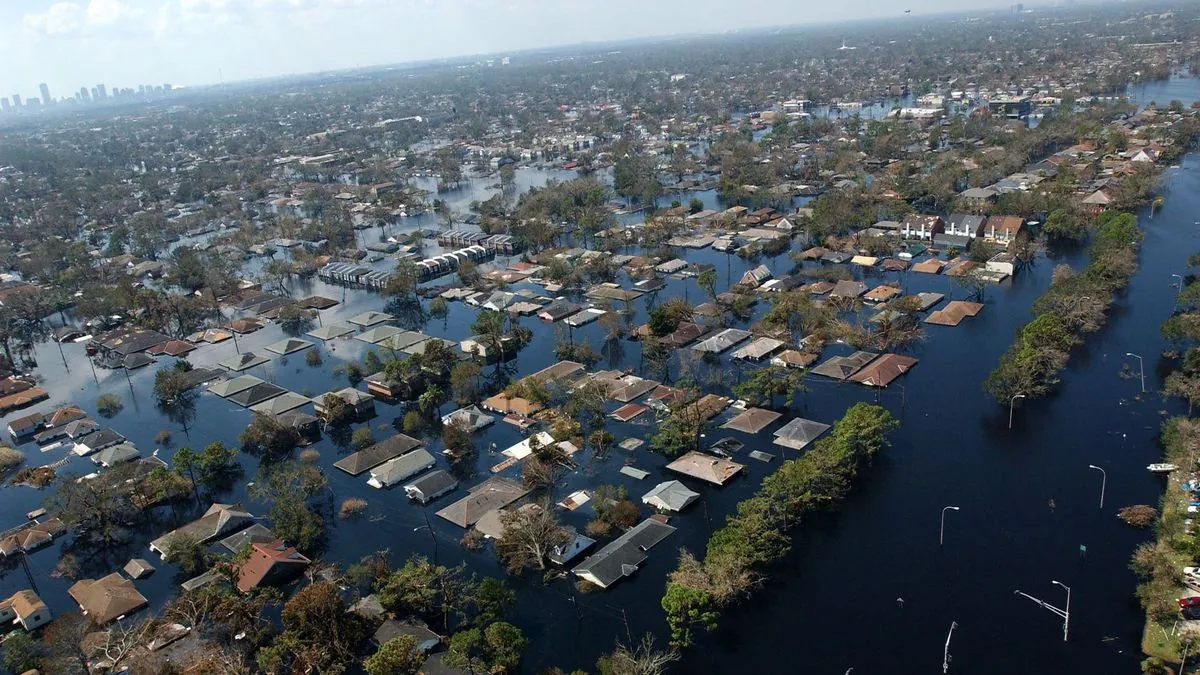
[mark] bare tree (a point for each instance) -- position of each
(643, 659)
(531, 534)
(120, 641)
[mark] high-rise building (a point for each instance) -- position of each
(45, 89)
(83, 95)
(101, 92)
(16, 100)
(5, 105)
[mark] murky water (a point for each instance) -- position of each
(833, 602)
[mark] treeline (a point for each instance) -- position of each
(739, 553)
(1159, 563)
(1076, 303)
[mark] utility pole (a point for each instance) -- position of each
(946, 651)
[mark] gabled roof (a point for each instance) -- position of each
(493, 493)
(621, 557)
(217, 521)
(377, 454)
(401, 468)
(881, 371)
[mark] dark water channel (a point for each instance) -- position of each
(832, 604)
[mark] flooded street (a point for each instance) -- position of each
(1029, 502)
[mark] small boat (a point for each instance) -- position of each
(1162, 468)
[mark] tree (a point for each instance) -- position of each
(108, 405)
(464, 382)
(295, 319)
(503, 643)
(318, 632)
(186, 553)
(641, 660)
(707, 280)
(266, 436)
(492, 599)
(99, 508)
(361, 438)
(398, 656)
(764, 384)
(494, 649)
(170, 386)
(531, 535)
(665, 318)
(1064, 224)
(679, 432)
(211, 467)
(432, 592)
(457, 438)
(22, 653)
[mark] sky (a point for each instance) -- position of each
(71, 43)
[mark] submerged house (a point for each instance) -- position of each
(219, 520)
(670, 495)
(108, 599)
(623, 556)
(270, 563)
(401, 468)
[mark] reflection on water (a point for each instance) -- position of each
(834, 595)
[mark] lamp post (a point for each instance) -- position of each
(942, 531)
(1064, 613)
(1103, 482)
(1141, 368)
(1179, 285)
(1012, 401)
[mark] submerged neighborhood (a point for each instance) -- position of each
(418, 369)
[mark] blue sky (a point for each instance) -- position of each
(70, 43)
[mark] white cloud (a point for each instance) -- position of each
(96, 17)
(62, 18)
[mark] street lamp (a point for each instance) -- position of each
(1103, 482)
(1064, 613)
(1011, 401)
(1178, 286)
(1067, 611)
(942, 532)
(1141, 368)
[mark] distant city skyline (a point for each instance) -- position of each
(68, 44)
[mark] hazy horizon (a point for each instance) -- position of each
(70, 44)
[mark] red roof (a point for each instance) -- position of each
(269, 561)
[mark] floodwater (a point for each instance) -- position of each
(1028, 500)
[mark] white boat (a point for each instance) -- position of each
(1162, 468)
